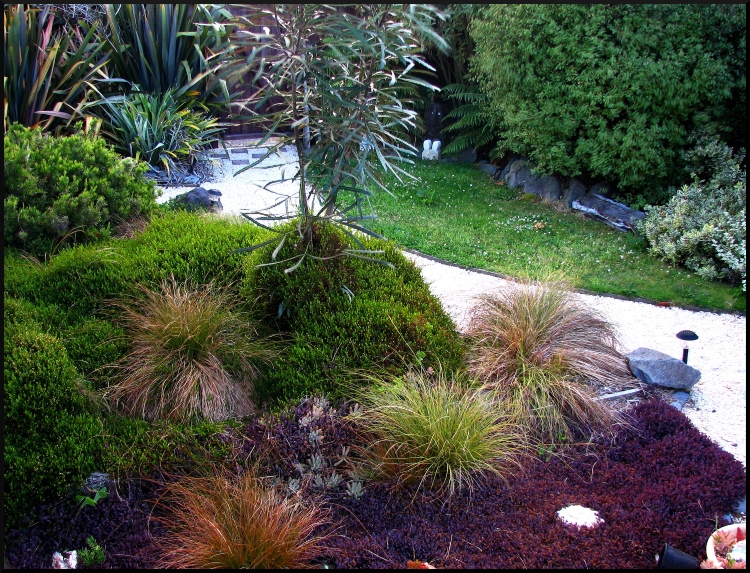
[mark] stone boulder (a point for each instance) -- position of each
(546, 186)
(574, 191)
(616, 215)
(654, 367)
(518, 172)
(200, 198)
(488, 168)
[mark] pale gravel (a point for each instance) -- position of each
(718, 404)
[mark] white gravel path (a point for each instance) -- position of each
(718, 403)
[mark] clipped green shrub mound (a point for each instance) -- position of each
(345, 313)
(179, 244)
(51, 439)
(703, 226)
(136, 448)
(67, 189)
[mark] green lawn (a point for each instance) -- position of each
(459, 214)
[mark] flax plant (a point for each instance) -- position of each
(230, 522)
(46, 73)
(539, 350)
(436, 430)
(193, 355)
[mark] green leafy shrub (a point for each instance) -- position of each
(345, 313)
(611, 90)
(51, 439)
(60, 189)
(436, 430)
(192, 356)
(92, 345)
(703, 226)
(540, 351)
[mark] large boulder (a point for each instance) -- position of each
(200, 198)
(488, 168)
(547, 187)
(616, 215)
(574, 191)
(517, 173)
(654, 367)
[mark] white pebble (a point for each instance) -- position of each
(579, 516)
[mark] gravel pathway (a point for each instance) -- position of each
(718, 402)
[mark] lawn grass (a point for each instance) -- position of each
(459, 214)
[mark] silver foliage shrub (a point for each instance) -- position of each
(703, 225)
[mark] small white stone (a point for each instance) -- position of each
(579, 516)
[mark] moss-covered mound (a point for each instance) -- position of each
(344, 313)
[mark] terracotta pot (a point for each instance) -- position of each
(732, 531)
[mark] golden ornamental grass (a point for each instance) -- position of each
(230, 522)
(540, 350)
(436, 430)
(192, 355)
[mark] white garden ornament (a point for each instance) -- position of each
(579, 516)
(431, 150)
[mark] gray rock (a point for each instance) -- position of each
(574, 191)
(488, 168)
(200, 198)
(97, 481)
(547, 187)
(681, 396)
(676, 405)
(740, 506)
(517, 174)
(616, 215)
(506, 168)
(468, 156)
(654, 367)
(451, 159)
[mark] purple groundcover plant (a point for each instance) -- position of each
(657, 481)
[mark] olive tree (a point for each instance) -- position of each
(335, 79)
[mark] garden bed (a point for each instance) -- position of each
(659, 481)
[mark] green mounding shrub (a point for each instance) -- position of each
(611, 90)
(179, 244)
(344, 313)
(437, 430)
(237, 522)
(51, 438)
(540, 351)
(91, 343)
(703, 226)
(193, 355)
(67, 189)
(136, 448)
(92, 346)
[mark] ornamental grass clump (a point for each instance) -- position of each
(193, 355)
(221, 522)
(540, 351)
(435, 429)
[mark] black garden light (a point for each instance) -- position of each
(686, 335)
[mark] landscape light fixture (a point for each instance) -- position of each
(686, 335)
